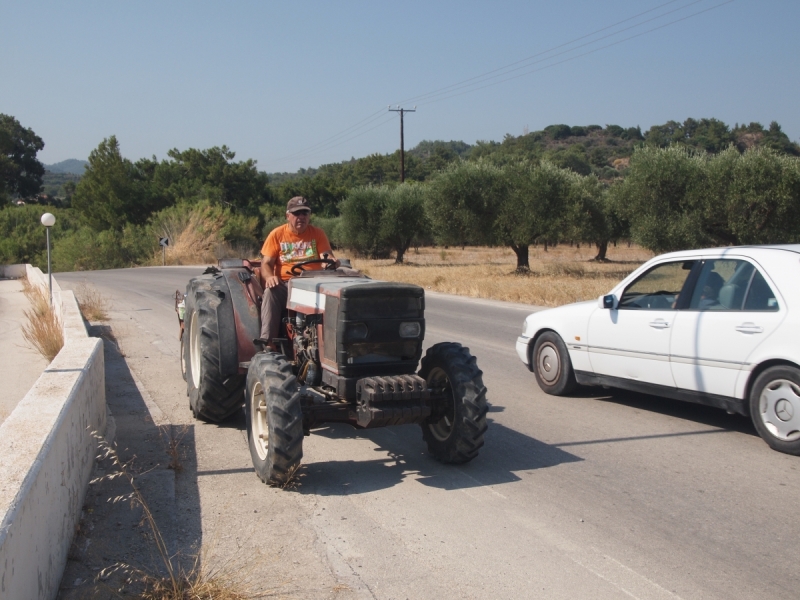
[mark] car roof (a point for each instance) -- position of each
(723, 250)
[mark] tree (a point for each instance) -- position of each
(710, 135)
(20, 171)
(112, 191)
(676, 199)
(403, 217)
(212, 175)
(22, 237)
(378, 219)
(662, 198)
(535, 208)
(321, 191)
(593, 216)
(762, 198)
(514, 205)
(464, 201)
(362, 213)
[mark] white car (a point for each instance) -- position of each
(717, 326)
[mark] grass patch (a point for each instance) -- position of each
(559, 276)
(173, 582)
(42, 327)
(93, 305)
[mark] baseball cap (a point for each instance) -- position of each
(297, 203)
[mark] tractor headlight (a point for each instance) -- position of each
(410, 329)
(357, 331)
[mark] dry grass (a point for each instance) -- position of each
(172, 436)
(42, 328)
(200, 582)
(559, 276)
(93, 305)
(196, 238)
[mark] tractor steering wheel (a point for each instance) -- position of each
(297, 269)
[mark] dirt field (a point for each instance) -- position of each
(561, 275)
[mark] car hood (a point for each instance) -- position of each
(569, 321)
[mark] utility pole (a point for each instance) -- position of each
(402, 148)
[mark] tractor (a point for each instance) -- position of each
(350, 354)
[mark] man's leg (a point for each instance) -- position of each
(272, 305)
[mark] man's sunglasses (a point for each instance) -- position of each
(302, 213)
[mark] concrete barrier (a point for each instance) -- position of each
(47, 454)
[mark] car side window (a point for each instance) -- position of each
(658, 288)
(727, 284)
(760, 296)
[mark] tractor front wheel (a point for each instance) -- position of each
(454, 433)
(274, 418)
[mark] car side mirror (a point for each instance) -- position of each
(608, 301)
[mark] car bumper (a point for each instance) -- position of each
(522, 348)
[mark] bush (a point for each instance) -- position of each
(23, 238)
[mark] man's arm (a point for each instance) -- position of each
(271, 279)
(326, 245)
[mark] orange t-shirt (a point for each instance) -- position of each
(290, 248)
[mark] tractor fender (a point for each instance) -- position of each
(245, 293)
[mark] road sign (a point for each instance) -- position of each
(163, 242)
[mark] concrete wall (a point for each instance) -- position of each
(47, 453)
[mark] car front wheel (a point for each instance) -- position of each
(775, 408)
(552, 366)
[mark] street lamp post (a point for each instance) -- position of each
(48, 220)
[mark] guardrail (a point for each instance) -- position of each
(47, 453)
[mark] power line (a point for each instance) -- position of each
(468, 85)
(361, 123)
(307, 153)
(549, 50)
(578, 55)
(507, 69)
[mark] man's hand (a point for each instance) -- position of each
(271, 279)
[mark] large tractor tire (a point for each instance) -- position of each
(213, 382)
(274, 418)
(456, 434)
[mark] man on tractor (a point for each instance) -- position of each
(296, 241)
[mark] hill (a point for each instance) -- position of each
(71, 165)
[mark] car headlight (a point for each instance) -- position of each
(410, 329)
(357, 331)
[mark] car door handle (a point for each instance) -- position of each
(749, 328)
(659, 324)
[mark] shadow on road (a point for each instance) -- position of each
(403, 454)
(113, 529)
(699, 413)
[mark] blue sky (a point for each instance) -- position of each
(278, 82)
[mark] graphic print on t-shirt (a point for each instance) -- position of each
(292, 252)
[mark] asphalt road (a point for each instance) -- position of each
(601, 495)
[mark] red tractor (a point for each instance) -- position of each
(350, 355)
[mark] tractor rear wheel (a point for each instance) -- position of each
(454, 434)
(213, 385)
(274, 418)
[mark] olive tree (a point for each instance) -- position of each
(464, 202)
(514, 205)
(662, 197)
(536, 206)
(376, 220)
(677, 199)
(753, 198)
